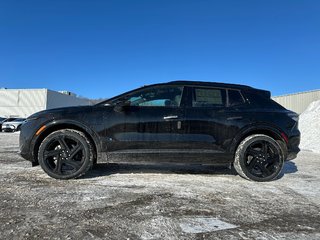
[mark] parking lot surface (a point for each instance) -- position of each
(156, 201)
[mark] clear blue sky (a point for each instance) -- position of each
(102, 48)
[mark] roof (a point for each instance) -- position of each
(212, 84)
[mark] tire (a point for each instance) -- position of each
(66, 154)
(259, 158)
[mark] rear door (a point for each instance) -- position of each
(213, 120)
(205, 117)
(207, 124)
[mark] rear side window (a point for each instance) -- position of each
(261, 101)
(235, 98)
(208, 97)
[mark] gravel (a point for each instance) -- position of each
(157, 201)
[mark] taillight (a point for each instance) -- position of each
(285, 137)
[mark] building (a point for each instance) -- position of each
(24, 102)
(298, 102)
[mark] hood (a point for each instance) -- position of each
(51, 112)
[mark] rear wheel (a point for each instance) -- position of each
(259, 158)
(66, 154)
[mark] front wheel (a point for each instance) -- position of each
(66, 154)
(259, 158)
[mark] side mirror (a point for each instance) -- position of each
(122, 106)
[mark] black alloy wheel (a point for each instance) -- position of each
(66, 154)
(259, 158)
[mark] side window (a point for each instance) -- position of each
(208, 97)
(167, 96)
(235, 98)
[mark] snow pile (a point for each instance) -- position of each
(309, 125)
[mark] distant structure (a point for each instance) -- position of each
(298, 102)
(24, 102)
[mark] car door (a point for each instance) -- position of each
(206, 121)
(148, 120)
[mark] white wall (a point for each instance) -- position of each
(24, 102)
(21, 102)
(298, 102)
(56, 100)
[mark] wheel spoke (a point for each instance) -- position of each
(265, 171)
(252, 164)
(265, 148)
(63, 143)
(58, 167)
(253, 152)
(74, 164)
(75, 150)
(272, 160)
(51, 153)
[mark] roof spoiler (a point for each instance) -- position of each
(261, 93)
(264, 93)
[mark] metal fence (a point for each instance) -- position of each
(298, 102)
(24, 102)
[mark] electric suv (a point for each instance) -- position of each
(177, 122)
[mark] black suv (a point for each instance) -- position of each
(177, 122)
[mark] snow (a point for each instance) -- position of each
(204, 224)
(309, 125)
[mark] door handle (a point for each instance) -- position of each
(170, 117)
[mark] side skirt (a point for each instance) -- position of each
(168, 156)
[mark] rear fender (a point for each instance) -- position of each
(268, 130)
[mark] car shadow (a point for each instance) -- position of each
(288, 168)
(105, 169)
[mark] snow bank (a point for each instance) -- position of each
(309, 125)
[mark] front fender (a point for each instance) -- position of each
(55, 125)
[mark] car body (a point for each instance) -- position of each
(4, 120)
(12, 125)
(176, 122)
(1, 121)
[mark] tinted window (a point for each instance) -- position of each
(235, 98)
(258, 100)
(169, 96)
(208, 97)
(9, 119)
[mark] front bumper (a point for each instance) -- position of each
(8, 128)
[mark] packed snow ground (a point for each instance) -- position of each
(157, 202)
(309, 125)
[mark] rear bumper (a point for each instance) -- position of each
(293, 145)
(293, 154)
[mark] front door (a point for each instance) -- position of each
(148, 120)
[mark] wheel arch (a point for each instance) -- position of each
(260, 129)
(66, 124)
